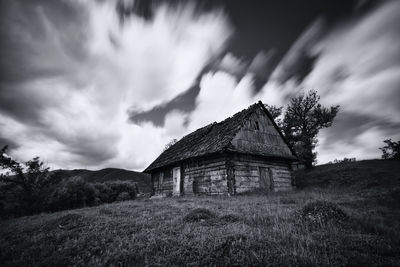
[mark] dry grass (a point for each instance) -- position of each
(244, 230)
(353, 225)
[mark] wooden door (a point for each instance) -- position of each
(266, 179)
(177, 180)
(231, 179)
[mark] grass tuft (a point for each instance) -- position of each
(199, 215)
(319, 213)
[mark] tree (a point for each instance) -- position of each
(391, 150)
(275, 112)
(170, 143)
(27, 182)
(303, 118)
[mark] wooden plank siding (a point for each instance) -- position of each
(259, 135)
(247, 173)
(209, 176)
(206, 177)
(162, 182)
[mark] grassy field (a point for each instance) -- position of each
(322, 223)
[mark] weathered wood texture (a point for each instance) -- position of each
(229, 174)
(258, 135)
(248, 174)
(249, 131)
(163, 182)
(205, 177)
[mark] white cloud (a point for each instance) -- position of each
(82, 118)
(78, 113)
(155, 61)
(366, 51)
(221, 96)
(359, 69)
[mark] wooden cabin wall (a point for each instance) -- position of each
(247, 173)
(258, 135)
(162, 182)
(205, 177)
(210, 176)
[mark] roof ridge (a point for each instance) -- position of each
(215, 137)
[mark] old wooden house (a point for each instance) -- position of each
(245, 152)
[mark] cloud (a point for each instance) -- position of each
(348, 136)
(82, 85)
(69, 80)
(184, 102)
(298, 61)
(359, 68)
(221, 95)
(354, 63)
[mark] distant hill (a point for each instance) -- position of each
(110, 174)
(364, 174)
(375, 179)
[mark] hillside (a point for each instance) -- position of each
(376, 179)
(330, 220)
(359, 175)
(110, 174)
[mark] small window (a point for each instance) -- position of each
(256, 126)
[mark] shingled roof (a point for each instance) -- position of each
(213, 138)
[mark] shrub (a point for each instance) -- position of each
(104, 193)
(26, 185)
(123, 196)
(72, 193)
(119, 187)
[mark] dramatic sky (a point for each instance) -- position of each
(93, 84)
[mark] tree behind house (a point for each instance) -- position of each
(302, 120)
(391, 150)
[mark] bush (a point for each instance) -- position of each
(77, 193)
(70, 194)
(118, 187)
(104, 193)
(123, 196)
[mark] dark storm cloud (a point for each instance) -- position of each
(258, 27)
(89, 151)
(7, 142)
(21, 105)
(184, 102)
(73, 72)
(39, 40)
(36, 36)
(70, 70)
(355, 135)
(349, 125)
(42, 41)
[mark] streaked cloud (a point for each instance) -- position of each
(91, 84)
(69, 82)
